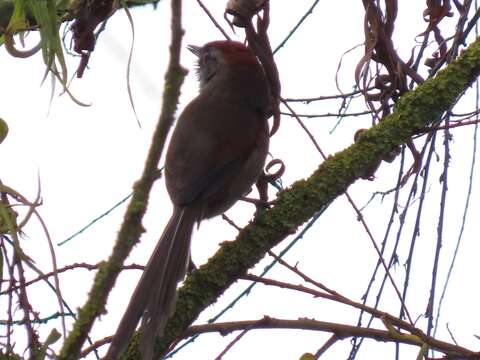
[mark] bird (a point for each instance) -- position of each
(216, 153)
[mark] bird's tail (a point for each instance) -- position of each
(154, 297)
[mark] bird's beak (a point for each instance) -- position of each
(196, 50)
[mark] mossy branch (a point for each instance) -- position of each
(131, 228)
(303, 199)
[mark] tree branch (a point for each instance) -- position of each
(341, 331)
(131, 228)
(302, 200)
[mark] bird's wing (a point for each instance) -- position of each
(205, 161)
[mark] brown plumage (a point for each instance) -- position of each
(217, 152)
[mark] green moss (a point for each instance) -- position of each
(302, 200)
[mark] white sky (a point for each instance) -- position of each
(88, 158)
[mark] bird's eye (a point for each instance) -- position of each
(208, 57)
(207, 67)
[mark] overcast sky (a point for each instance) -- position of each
(87, 159)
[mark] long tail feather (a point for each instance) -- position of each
(161, 303)
(155, 295)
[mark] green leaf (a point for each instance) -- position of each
(45, 13)
(307, 356)
(3, 130)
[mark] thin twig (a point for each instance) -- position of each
(67, 268)
(440, 228)
(342, 331)
(212, 19)
(237, 339)
(339, 114)
(297, 26)
(309, 134)
(331, 340)
(326, 97)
